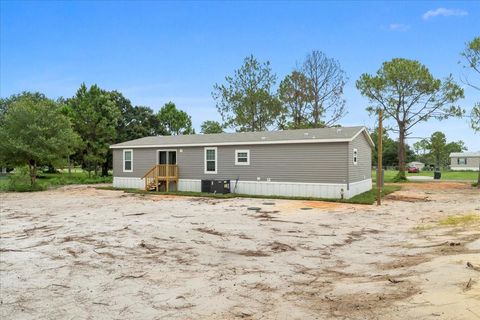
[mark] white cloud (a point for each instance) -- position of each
(444, 12)
(398, 27)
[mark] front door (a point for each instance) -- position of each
(167, 157)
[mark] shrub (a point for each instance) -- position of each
(20, 181)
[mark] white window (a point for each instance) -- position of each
(211, 160)
(355, 156)
(127, 160)
(242, 157)
(462, 161)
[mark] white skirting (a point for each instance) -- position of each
(290, 189)
(190, 185)
(464, 168)
(359, 187)
(130, 183)
(139, 183)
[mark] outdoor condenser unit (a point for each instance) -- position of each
(216, 186)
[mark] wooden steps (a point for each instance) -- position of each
(161, 175)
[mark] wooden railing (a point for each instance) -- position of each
(159, 173)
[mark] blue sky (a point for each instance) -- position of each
(154, 52)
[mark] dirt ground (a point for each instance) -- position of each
(82, 253)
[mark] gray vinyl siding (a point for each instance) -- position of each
(363, 169)
(472, 162)
(314, 163)
(143, 160)
(307, 162)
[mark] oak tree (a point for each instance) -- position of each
(172, 121)
(211, 126)
(94, 116)
(35, 132)
(134, 122)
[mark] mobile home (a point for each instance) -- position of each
(465, 161)
(324, 163)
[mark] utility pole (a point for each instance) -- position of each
(379, 158)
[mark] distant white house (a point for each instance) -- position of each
(465, 161)
(417, 164)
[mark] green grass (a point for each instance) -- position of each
(459, 220)
(388, 175)
(3, 182)
(48, 180)
(53, 179)
(451, 221)
(446, 175)
(368, 197)
(72, 170)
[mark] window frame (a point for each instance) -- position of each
(464, 161)
(237, 163)
(355, 156)
(131, 160)
(205, 149)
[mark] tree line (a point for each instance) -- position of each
(36, 130)
(433, 151)
(436, 150)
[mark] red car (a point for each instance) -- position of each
(413, 170)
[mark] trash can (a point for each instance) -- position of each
(437, 174)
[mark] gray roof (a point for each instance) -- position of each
(465, 154)
(343, 134)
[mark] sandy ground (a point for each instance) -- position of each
(82, 253)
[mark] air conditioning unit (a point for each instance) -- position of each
(216, 186)
(207, 186)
